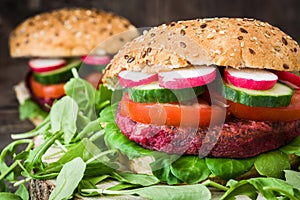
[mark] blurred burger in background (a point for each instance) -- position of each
(56, 42)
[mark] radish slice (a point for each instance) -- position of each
(187, 77)
(95, 60)
(132, 79)
(254, 79)
(289, 78)
(45, 65)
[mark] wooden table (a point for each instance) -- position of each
(11, 72)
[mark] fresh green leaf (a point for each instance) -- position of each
(84, 94)
(29, 110)
(9, 196)
(22, 191)
(240, 189)
(270, 188)
(190, 169)
(3, 187)
(68, 179)
(103, 97)
(292, 178)
(10, 172)
(293, 147)
(227, 168)
(135, 179)
(34, 159)
(63, 116)
(161, 168)
(87, 184)
(272, 164)
(162, 192)
(86, 150)
(123, 186)
(39, 130)
(91, 127)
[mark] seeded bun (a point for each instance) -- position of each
(69, 32)
(233, 42)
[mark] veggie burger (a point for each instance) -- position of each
(63, 39)
(220, 88)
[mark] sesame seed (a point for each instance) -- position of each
(295, 49)
(285, 66)
(182, 32)
(243, 30)
(284, 41)
(203, 25)
(131, 59)
(148, 51)
(252, 51)
(222, 32)
(209, 36)
(242, 44)
(148, 62)
(240, 37)
(182, 44)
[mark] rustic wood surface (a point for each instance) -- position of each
(10, 74)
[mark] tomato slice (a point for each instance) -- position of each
(47, 91)
(173, 114)
(289, 113)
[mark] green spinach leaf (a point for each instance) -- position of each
(272, 164)
(190, 169)
(29, 110)
(293, 147)
(227, 168)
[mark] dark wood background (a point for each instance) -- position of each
(142, 13)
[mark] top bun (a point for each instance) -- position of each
(233, 42)
(68, 32)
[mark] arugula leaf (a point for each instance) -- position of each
(135, 179)
(270, 188)
(34, 159)
(22, 192)
(84, 94)
(161, 192)
(9, 196)
(227, 168)
(63, 117)
(272, 164)
(29, 109)
(68, 179)
(292, 178)
(39, 130)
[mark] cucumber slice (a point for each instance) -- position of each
(279, 96)
(154, 93)
(60, 75)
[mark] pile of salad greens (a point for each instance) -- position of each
(81, 127)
